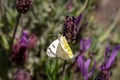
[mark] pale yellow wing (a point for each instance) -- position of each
(65, 46)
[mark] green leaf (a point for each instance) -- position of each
(4, 41)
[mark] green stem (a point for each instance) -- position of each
(82, 9)
(15, 30)
(63, 76)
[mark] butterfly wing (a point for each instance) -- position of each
(66, 51)
(51, 50)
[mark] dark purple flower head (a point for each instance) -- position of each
(109, 61)
(19, 53)
(85, 44)
(21, 74)
(23, 6)
(84, 65)
(70, 29)
(104, 75)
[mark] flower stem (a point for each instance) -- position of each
(15, 30)
(63, 76)
(82, 8)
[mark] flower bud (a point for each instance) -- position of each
(23, 6)
(21, 74)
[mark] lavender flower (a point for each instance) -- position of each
(21, 74)
(23, 6)
(85, 44)
(84, 67)
(70, 29)
(106, 66)
(19, 52)
(109, 61)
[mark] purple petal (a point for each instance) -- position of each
(112, 56)
(106, 54)
(25, 33)
(103, 67)
(24, 38)
(79, 19)
(84, 67)
(117, 47)
(85, 77)
(107, 51)
(85, 44)
(81, 64)
(87, 63)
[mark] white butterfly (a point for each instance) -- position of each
(60, 48)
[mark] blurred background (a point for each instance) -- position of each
(100, 22)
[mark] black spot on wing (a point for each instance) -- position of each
(53, 46)
(51, 51)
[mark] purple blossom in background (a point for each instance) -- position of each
(105, 73)
(85, 44)
(21, 74)
(109, 61)
(19, 53)
(32, 41)
(84, 65)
